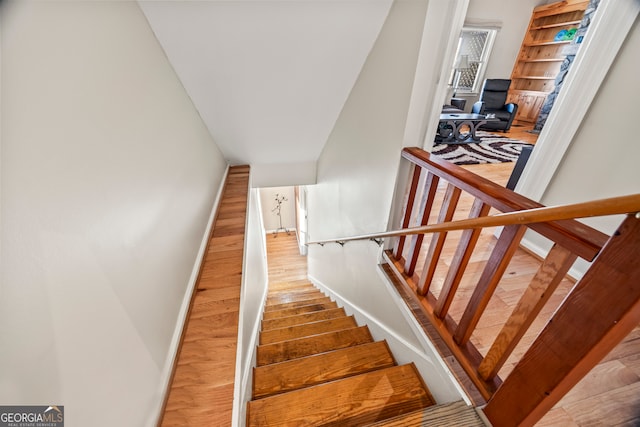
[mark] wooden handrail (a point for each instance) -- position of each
(609, 206)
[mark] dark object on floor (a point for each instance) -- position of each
(493, 101)
(460, 128)
(459, 103)
(519, 167)
(456, 106)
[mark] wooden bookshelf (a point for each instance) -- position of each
(541, 56)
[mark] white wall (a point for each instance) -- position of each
(269, 77)
(602, 160)
(287, 209)
(108, 179)
(357, 171)
(357, 168)
(254, 293)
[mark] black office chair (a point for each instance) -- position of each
(493, 101)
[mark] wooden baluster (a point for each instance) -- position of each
(600, 311)
(460, 260)
(498, 261)
(544, 283)
(447, 210)
(408, 209)
(428, 197)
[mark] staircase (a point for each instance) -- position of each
(316, 366)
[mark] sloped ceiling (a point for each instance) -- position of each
(269, 77)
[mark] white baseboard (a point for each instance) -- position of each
(439, 379)
(186, 302)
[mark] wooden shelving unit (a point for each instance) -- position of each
(541, 56)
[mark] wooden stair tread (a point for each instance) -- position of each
(298, 310)
(318, 368)
(297, 303)
(293, 296)
(301, 347)
(307, 329)
(284, 288)
(351, 401)
(457, 414)
(299, 319)
(315, 366)
(275, 295)
(289, 284)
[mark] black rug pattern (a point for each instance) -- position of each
(492, 149)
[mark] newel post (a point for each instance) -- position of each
(600, 311)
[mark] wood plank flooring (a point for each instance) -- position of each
(201, 392)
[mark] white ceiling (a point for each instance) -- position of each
(268, 77)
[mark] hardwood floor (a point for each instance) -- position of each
(201, 392)
(284, 260)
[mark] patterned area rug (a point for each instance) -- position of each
(493, 148)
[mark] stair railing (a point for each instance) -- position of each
(596, 314)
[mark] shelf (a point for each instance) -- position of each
(547, 43)
(530, 92)
(560, 24)
(543, 60)
(541, 57)
(535, 77)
